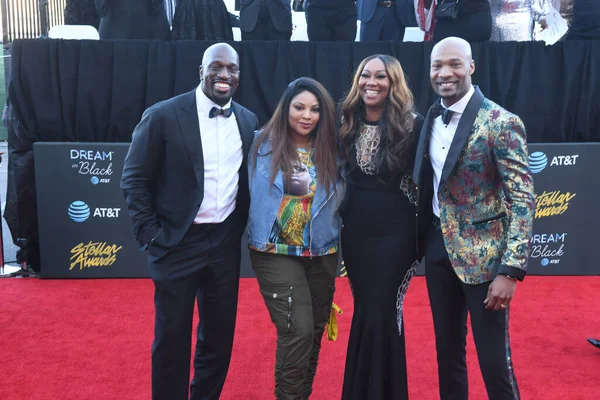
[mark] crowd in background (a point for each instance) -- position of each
(332, 20)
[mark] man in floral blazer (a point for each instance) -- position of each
(475, 215)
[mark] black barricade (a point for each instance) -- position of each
(85, 231)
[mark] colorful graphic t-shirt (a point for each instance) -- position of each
(290, 234)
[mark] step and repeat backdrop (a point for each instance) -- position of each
(566, 229)
(84, 228)
(85, 231)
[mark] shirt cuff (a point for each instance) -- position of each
(512, 272)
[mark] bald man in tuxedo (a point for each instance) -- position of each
(185, 181)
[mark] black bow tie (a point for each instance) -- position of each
(446, 114)
(226, 112)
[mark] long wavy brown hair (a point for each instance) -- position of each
(284, 152)
(397, 121)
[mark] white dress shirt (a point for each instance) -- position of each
(441, 139)
(222, 152)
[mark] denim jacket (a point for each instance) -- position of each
(265, 200)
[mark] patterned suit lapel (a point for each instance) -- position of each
(463, 131)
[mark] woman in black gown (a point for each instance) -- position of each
(379, 135)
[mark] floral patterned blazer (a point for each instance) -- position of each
(485, 194)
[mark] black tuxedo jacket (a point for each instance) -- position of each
(163, 175)
(279, 10)
(132, 19)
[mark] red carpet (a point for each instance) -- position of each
(90, 339)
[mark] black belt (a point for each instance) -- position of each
(386, 4)
(436, 223)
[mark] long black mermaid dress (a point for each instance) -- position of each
(378, 248)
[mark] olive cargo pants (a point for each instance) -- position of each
(298, 293)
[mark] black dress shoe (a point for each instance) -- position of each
(594, 342)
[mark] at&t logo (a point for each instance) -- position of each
(95, 180)
(538, 161)
(79, 211)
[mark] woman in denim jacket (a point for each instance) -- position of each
(293, 227)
